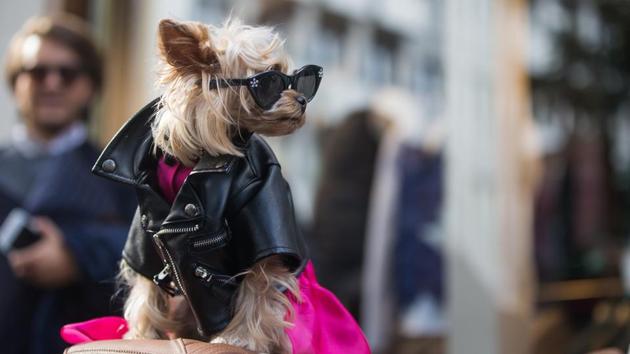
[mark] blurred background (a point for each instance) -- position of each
(463, 178)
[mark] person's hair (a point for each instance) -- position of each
(65, 29)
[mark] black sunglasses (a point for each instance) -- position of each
(267, 87)
(68, 74)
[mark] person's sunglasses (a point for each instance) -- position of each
(68, 74)
(266, 88)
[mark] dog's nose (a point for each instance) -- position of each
(301, 100)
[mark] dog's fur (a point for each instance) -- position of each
(195, 118)
(192, 118)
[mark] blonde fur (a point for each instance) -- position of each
(262, 309)
(147, 309)
(192, 117)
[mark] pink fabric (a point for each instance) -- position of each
(321, 323)
(101, 328)
(170, 178)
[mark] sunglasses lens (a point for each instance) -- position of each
(267, 89)
(67, 74)
(307, 82)
(38, 73)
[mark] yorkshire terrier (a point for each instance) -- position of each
(218, 83)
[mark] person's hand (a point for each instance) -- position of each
(47, 263)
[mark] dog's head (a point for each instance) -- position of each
(222, 81)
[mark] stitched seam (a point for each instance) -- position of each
(125, 179)
(255, 180)
(276, 248)
(109, 351)
(225, 168)
(250, 164)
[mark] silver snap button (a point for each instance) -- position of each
(109, 165)
(144, 221)
(190, 209)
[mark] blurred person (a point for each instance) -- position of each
(402, 296)
(376, 230)
(341, 206)
(54, 72)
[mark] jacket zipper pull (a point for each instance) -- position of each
(164, 280)
(203, 274)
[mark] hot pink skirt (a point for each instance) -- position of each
(321, 323)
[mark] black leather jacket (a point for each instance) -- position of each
(230, 213)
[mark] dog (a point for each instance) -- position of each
(207, 102)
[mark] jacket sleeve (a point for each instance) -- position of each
(265, 223)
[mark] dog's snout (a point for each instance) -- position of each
(301, 100)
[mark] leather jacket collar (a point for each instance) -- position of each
(121, 160)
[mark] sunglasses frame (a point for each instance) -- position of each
(288, 81)
(61, 70)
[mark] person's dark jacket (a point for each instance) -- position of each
(230, 213)
(341, 208)
(94, 217)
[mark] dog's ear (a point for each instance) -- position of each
(186, 46)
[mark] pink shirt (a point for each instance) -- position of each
(171, 177)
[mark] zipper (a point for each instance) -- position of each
(165, 281)
(207, 276)
(180, 230)
(211, 241)
(168, 261)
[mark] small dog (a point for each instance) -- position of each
(206, 103)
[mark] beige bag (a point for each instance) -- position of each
(153, 346)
